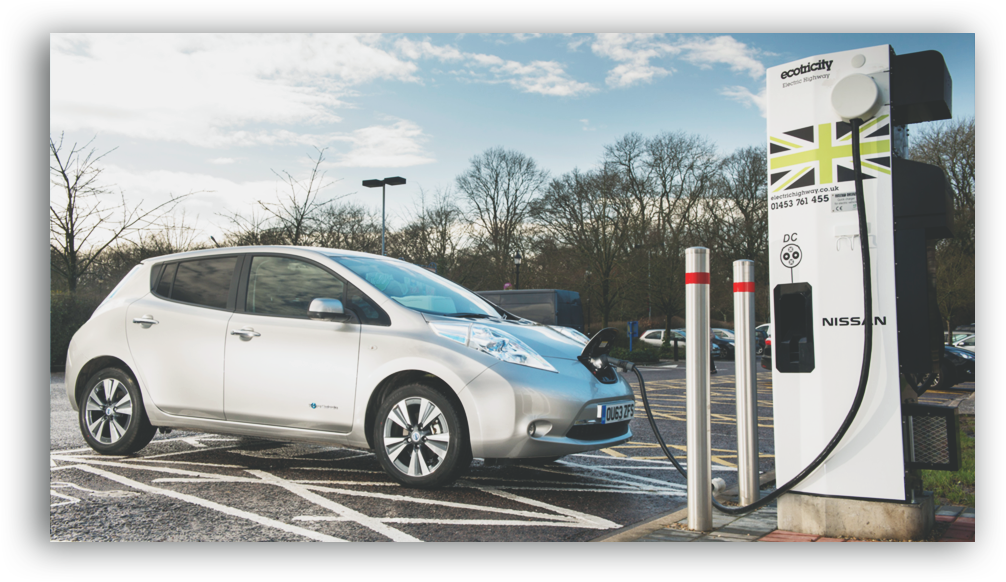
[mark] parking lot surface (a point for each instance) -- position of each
(199, 487)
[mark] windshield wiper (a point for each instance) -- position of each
(473, 315)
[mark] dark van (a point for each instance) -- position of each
(548, 306)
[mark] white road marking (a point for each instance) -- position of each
(69, 500)
(213, 505)
(364, 520)
(594, 521)
(626, 475)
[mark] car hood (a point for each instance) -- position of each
(542, 339)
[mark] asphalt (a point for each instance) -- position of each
(953, 523)
(188, 498)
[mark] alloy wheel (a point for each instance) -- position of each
(416, 436)
(108, 411)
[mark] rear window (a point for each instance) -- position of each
(205, 282)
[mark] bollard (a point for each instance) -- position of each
(747, 382)
(697, 353)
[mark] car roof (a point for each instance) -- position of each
(264, 248)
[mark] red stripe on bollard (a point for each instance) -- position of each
(696, 278)
(744, 287)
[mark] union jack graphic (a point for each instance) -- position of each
(822, 154)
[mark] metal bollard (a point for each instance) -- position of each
(747, 382)
(697, 355)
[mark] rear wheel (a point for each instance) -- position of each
(420, 438)
(111, 416)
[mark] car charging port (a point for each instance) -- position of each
(595, 355)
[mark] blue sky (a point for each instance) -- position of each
(218, 113)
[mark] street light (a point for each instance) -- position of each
(516, 261)
(394, 181)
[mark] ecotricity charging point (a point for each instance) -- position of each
(817, 280)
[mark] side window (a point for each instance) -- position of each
(167, 278)
(205, 282)
(365, 309)
(284, 286)
(654, 335)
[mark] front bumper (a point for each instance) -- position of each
(505, 399)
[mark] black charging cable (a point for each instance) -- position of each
(864, 372)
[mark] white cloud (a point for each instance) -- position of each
(586, 125)
(722, 49)
(542, 77)
(635, 54)
(210, 89)
(213, 195)
(745, 96)
(221, 161)
(398, 145)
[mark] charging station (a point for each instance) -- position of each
(817, 284)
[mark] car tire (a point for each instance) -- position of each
(111, 416)
(417, 445)
(946, 378)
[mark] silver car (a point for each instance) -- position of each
(336, 347)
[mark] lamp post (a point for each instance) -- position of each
(516, 261)
(586, 276)
(394, 181)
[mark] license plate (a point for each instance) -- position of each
(607, 413)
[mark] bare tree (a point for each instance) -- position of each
(592, 214)
(435, 235)
(683, 169)
(348, 226)
(82, 225)
(950, 145)
(499, 187)
(293, 219)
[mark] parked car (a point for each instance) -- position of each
(967, 343)
(655, 337)
(548, 306)
(761, 336)
(717, 346)
(339, 347)
(956, 366)
(724, 333)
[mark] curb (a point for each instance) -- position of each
(648, 526)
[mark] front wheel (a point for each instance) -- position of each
(112, 418)
(420, 438)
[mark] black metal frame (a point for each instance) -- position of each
(913, 411)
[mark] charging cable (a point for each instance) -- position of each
(864, 372)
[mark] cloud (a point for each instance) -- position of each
(745, 96)
(541, 77)
(586, 125)
(398, 145)
(635, 54)
(723, 49)
(209, 90)
(221, 161)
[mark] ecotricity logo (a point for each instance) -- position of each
(821, 65)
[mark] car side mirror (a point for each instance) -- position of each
(325, 309)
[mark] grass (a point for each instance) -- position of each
(956, 488)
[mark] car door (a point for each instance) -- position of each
(176, 335)
(282, 368)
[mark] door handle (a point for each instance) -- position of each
(145, 320)
(246, 333)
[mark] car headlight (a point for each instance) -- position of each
(496, 343)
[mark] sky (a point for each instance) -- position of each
(221, 114)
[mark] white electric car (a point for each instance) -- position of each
(336, 347)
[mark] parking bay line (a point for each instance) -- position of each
(232, 511)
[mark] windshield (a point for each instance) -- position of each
(416, 288)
